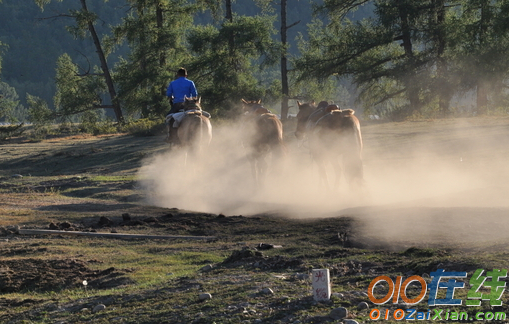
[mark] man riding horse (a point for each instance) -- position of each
(177, 91)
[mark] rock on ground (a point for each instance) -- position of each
(205, 296)
(338, 313)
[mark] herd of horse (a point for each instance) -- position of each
(333, 137)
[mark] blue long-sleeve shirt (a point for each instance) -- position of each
(180, 88)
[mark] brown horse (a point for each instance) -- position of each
(263, 136)
(333, 135)
(308, 115)
(340, 135)
(195, 130)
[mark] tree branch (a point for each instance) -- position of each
(343, 8)
(390, 96)
(290, 26)
(56, 17)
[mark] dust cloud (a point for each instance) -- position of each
(426, 182)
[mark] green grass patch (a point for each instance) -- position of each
(112, 178)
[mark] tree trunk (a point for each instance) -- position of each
(409, 81)
(444, 93)
(482, 90)
(143, 63)
(229, 17)
(231, 38)
(159, 24)
(162, 56)
(229, 12)
(284, 68)
(104, 67)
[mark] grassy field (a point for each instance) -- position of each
(436, 198)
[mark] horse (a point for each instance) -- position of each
(333, 135)
(308, 115)
(263, 135)
(340, 134)
(195, 130)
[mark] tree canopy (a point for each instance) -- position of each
(403, 57)
(412, 56)
(225, 57)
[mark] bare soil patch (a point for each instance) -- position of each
(29, 274)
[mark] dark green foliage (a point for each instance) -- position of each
(145, 127)
(406, 57)
(10, 108)
(413, 56)
(146, 51)
(155, 33)
(76, 93)
(38, 110)
(40, 116)
(2, 50)
(479, 47)
(225, 57)
(389, 57)
(36, 39)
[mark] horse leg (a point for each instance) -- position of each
(174, 137)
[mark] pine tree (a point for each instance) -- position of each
(2, 48)
(154, 30)
(397, 58)
(85, 21)
(480, 49)
(224, 58)
(76, 93)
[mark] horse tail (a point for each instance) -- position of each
(354, 160)
(192, 134)
(350, 128)
(359, 137)
(198, 140)
(277, 144)
(281, 146)
(355, 127)
(201, 134)
(205, 132)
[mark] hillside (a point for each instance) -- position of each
(36, 39)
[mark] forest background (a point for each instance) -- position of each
(93, 60)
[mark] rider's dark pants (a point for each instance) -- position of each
(176, 107)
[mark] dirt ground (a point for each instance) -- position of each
(435, 197)
(46, 275)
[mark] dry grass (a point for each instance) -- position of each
(437, 190)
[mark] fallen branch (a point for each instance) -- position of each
(112, 235)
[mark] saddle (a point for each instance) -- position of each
(179, 116)
(331, 108)
(191, 107)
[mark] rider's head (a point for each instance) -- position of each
(182, 72)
